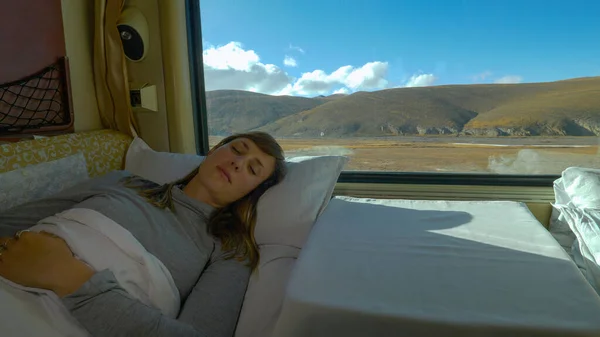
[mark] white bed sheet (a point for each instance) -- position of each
(435, 268)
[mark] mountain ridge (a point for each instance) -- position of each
(568, 107)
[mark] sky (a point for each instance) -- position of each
(321, 47)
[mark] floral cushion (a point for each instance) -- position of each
(104, 151)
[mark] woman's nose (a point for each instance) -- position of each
(236, 164)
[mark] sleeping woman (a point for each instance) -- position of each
(200, 228)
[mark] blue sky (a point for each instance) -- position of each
(395, 43)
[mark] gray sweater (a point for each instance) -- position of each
(211, 288)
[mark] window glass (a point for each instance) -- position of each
(504, 87)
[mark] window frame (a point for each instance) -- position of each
(200, 113)
(196, 62)
(432, 178)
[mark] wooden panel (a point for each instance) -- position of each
(542, 211)
(31, 37)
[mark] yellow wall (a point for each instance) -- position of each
(78, 23)
(153, 124)
(165, 66)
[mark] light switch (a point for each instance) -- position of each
(143, 97)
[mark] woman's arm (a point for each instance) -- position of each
(216, 300)
(211, 310)
(103, 308)
(41, 260)
(26, 215)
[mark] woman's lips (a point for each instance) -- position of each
(224, 173)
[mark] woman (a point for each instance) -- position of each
(201, 228)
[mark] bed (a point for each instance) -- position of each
(434, 268)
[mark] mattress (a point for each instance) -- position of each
(435, 268)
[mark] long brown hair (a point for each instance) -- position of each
(233, 224)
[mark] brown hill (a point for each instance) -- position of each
(562, 108)
(570, 107)
(231, 111)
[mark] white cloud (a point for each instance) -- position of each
(342, 90)
(370, 76)
(482, 76)
(232, 67)
(230, 56)
(296, 48)
(422, 80)
(289, 61)
(509, 79)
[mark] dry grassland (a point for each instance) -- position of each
(445, 154)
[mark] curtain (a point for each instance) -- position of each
(110, 71)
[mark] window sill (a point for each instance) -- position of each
(462, 179)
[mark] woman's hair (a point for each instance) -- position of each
(233, 224)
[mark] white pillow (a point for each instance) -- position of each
(286, 212)
(266, 291)
(559, 227)
(585, 223)
(582, 185)
(42, 180)
(580, 188)
(159, 167)
(576, 219)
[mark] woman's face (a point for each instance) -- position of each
(234, 169)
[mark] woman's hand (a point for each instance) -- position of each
(42, 260)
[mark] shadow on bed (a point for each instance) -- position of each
(407, 272)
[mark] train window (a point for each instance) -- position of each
(501, 88)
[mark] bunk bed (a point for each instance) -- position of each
(376, 267)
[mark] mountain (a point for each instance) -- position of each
(231, 111)
(563, 108)
(569, 107)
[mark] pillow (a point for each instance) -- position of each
(559, 227)
(582, 185)
(286, 212)
(585, 223)
(580, 188)
(159, 167)
(266, 291)
(576, 219)
(41, 180)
